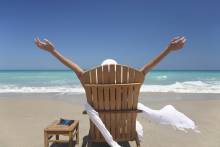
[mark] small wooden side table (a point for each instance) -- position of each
(54, 129)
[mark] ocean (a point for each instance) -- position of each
(65, 81)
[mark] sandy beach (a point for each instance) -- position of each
(24, 116)
(54, 53)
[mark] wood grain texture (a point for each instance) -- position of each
(113, 91)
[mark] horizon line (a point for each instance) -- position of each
(88, 69)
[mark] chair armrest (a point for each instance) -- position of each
(138, 111)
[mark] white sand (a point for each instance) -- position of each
(23, 118)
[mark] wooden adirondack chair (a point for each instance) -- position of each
(113, 90)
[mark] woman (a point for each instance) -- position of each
(167, 115)
(175, 44)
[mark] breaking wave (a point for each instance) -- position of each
(184, 87)
(178, 87)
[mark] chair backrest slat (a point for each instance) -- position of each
(114, 88)
(105, 74)
(118, 74)
(124, 74)
(99, 75)
(112, 74)
(93, 76)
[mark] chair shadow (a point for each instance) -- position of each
(63, 144)
(85, 140)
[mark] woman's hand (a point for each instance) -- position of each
(176, 43)
(46, 45)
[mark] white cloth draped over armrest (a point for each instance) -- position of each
(94, 117)
(167, 115)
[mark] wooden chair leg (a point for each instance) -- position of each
(89, 141)
(57, 137)
(137, 141)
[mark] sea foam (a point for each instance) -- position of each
(184, 87)
(178, 87)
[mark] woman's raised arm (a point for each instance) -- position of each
(48, 46)
(175, 44)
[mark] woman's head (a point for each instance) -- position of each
(108, 62)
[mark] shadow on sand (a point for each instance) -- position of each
(84, 144)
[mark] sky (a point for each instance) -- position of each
(132, 32)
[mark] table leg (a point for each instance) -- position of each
(77, 134)
(70, 139)
(46, 143)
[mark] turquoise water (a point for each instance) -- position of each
(65, 81)
(170, 77)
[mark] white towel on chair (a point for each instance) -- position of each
(166, 115)
(94, 117)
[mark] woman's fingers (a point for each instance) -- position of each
(181, 42)
(48, 42)
(175, 38)
(36, 40)
(48, 45)
(177, 43)
(179, 39)
(39, 43)
(184, 40)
